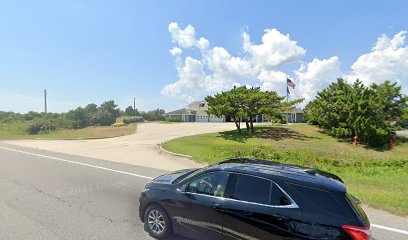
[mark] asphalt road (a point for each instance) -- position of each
(48, 195)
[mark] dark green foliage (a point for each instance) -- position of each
(38, 125)
(130, 112)
(77, 118)
(155, 115)
(106, 114)
(132, 119)
(174, 119)
(35, 127)
(246, 103)
(346, 110)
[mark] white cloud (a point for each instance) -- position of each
(217, 70)
(202, 43)
(273, 81)
(185, 38)
(221, 62)
(176, 51)
(275, 50)
(191, 80)
(316, 76)
(388, 60)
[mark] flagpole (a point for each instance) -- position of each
(287, 101)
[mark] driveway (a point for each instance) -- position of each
(137, 149)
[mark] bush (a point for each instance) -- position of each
(282, 121)
(173, 119)
(133, 119)
(34, 127)
(118, 124)
(378, 138)
(103, 118)
(341, 132)
(38, 125)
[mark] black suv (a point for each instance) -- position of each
(252, 199)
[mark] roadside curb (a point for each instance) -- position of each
(164, 151)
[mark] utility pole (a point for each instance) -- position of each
(134, 106)
(45, 109)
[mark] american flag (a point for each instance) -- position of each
(290, 83)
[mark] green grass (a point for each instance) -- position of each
(378, 177)
(17, 131)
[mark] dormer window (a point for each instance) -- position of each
(202, 105)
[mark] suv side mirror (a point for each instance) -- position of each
(356, 199)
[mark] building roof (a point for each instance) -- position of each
(198, 105)
(183, 111)
(295, 110)
(190, 109)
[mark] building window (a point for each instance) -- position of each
(202, 105)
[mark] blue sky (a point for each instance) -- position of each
(91, 51)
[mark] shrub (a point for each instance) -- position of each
(378, 138)
(341, 132)
(34, 127)
(118, 124)
(132, 119)
(173, 119)
(282, 121)
(38, 125)
(103, 118)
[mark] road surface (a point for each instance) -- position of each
(50, 195)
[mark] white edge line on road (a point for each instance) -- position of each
(390, 229)
(79, 163)
(150, 178)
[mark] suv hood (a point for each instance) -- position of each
(170, 177)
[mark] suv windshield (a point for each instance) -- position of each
(188, 175)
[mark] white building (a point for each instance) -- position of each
(194, 112)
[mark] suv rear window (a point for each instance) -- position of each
(321, 199)
(249, 189)
(358, 210)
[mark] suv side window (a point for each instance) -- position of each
(278, 198)
(212, 184)
(249, 188)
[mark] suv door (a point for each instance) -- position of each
(196, 212)
(257, 208)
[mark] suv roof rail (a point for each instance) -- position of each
(311, 171)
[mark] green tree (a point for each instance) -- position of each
(106, 114)
(246, 103)
(77, 117)
(154, 115)
(346, 110)
(129, 111)
(90, 110)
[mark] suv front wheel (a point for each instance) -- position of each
(157, 223)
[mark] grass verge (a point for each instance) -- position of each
(17, 131)
(379, 178)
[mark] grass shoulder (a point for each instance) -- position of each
(17, 131)
(377, 177)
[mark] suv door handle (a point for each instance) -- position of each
(279, 217)
(216, 206)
